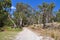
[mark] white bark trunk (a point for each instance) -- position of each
(38, 21)
(20, 21)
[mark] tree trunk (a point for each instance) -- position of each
(38, 21)
(21, 22)
(44, 21)
(44, 18)
(12, 22)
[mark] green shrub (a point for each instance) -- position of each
(11, 29)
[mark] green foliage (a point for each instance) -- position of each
(46, 10)
(8, 23)
(12, 29)
(21, 14)
(3, 18)
(58, 16)
(5, 3)
(3, 11)
(9, 28)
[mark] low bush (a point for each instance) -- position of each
(9, 28)
(52, 32)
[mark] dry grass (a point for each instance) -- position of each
(54, 33)
(7, 35)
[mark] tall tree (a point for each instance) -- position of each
(46, 9)
(39, 17)
(50, 12)
(4, 6)
(21, 13)
(58, 16)
(43, 9)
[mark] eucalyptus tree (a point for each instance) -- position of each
(32, 19)
(58, 16)
(38, 17)
(50, 12)
(4, 5)
(43, 9)
(47, 10)
(22, 13)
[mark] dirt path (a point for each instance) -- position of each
(27, 34)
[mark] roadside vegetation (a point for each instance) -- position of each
(8, 35)
(53, 32)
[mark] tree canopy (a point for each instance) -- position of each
(4, 5)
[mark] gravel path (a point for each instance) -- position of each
(27, 34)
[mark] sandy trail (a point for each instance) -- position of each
(27, 34)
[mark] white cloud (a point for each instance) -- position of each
(12, 7)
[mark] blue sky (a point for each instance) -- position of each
(35, 3)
